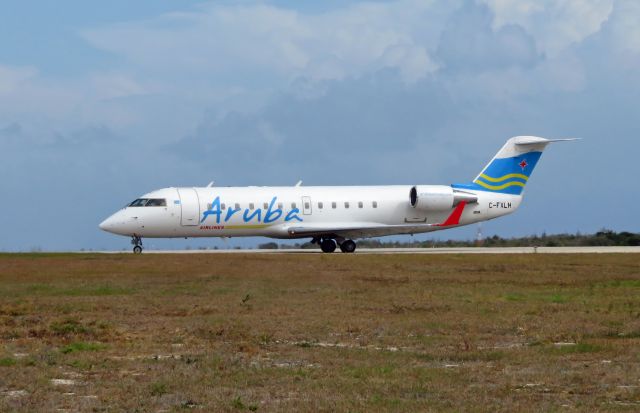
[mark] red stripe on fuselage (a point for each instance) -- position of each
(454, 218)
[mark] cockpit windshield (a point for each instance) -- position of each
(149, 202)
(157, 202)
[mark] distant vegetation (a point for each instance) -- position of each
(604, 237)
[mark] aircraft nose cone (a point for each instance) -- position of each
(118, 223)
(106, 224)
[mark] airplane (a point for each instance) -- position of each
(332, 216)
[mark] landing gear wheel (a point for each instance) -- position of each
(348, 246)
(137, 242)
(328, 245)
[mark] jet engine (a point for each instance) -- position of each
(438, 197)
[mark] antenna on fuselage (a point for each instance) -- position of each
(299, 183)
(210, 184)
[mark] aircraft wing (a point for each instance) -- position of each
(368, 229)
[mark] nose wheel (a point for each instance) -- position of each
(137, 244)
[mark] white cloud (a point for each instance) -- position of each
(555, 24)
(623, 29)
(11, 77)
(261, 40)
(115, 85)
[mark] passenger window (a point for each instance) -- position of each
(223, 206)
(265, 205)
(375, 204)
(306, 205)
(346, 205)
(251, 206)
(237, 206)
(293, 205)
(360, 204)
(320, 205)
(280, 205)
(333, 205)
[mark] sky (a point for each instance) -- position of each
(102, 102)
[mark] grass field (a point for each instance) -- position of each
(297, 332)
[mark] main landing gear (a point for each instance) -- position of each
(348, 246)
(136, 241)
(329, 245)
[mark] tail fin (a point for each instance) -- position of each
(510, 169)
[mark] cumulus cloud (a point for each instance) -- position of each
(621, 32)
(470, 44)
(555, 25)
(12, 77)
(244, 40)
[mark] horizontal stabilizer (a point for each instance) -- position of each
(534, 140)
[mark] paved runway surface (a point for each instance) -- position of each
(479, 250)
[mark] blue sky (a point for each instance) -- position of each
(100, 103)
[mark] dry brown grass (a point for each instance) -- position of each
(227, 332)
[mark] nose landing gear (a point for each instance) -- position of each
(136, 241)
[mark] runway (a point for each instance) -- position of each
(474, 250)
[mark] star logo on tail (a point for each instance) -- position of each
(523, 164)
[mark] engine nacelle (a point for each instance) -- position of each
(438, 197)
(431, 197)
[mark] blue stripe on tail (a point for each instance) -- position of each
(505, 175)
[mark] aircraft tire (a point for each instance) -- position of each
(137, 249)
(348, 246)
(328, 245)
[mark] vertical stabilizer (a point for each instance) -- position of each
(510, 169)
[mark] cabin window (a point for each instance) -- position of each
(251, 206)
(306, 205)
(334, 205)
(293, 205)
(223, 206)
(360, 204)
(320, 205)
(237, 206)
(346, 205)
(374, 204)
(265, 205)
(280, 205)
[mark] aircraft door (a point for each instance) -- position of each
(190, 206)
(306, 205)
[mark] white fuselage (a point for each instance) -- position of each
(273, 211)
(333, 215)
